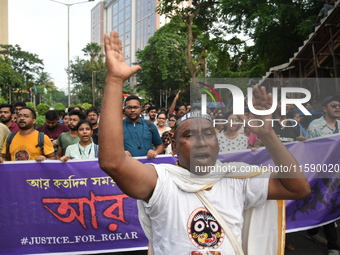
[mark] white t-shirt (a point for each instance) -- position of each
(227, 145)
(181, 224)
(76, 151)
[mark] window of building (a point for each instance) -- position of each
(121, 17)
(127, 52)
(127, 25)
(121, 5)
(121, 30)
(127, 38)
(127, 12)
(115, 20)
(115, 8)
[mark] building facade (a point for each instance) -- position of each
(3, 21)
(135, 20)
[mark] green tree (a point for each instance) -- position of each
(277, 27)
(82, 78)
(45, 79)
(59, 106)
(163, 62)
(95, 64)
(9, 78)
(233, 59)
(42, 108)
(198, 19)
(27, 64)
(31, 105)
(127, 88)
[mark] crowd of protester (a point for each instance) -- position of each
(62, 128)
(149, 131)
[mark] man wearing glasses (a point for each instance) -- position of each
(141, 137)
(328, 124)
(93, 117)
(24, 143)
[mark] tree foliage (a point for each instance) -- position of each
(198, 18)
(59, 106)
(26, 65)
(163, 62)
(82, 71)
(8, 77)
(277, 27)
(42, 108)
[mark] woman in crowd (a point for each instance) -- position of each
(66, 118)
(85, 148)
(168, 135)
(229, 138)
(218, 126)
(161, 120)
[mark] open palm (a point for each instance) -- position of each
(115, 63)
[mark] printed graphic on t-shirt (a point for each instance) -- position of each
(205, 253)
(21, 155)
(203, 230)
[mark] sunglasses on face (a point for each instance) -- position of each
(335, 105)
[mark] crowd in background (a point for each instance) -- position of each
(74, 133)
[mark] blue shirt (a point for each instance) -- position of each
(138, 138)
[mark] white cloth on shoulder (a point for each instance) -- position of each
(269, 219)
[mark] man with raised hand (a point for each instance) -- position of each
(171, 214)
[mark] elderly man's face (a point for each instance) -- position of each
(196, 144)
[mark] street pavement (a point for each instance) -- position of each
(304, 246)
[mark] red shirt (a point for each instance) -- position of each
(14, 127)
(55, 132)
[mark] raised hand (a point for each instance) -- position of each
(261, 101)
(115, 62)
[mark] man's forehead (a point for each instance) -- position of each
(195, 124)
(74, 116)
(333, 102)
(24, 111)
(132, 102)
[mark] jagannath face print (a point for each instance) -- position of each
(203, 229)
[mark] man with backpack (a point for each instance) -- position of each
(27, 143)
(140, 135)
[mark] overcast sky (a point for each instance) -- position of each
(40, 27)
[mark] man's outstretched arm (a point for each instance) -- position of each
(133, 178)
(284, 185)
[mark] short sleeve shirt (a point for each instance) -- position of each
(24, 147)
(182, 225)
(64, 140)
(229, 145)
(139, 137)
(319, 127)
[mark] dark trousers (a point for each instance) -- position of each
(330, 234)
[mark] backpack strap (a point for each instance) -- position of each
(149, 123)
(41, 141)
(8, 143)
